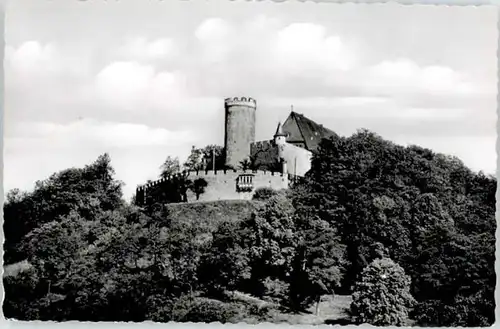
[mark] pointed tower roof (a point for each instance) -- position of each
(279, 131)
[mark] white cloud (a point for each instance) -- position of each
(322, 102)
(407, 76)
(33, 60)
(431, 114)
(143, 49)
(123, 84)
(371, 107)
(30, 55)
(217, 39)
(301, 47)
(316, 57)
(45, 80)
(213, 29)
(90, 132)
(136, 87)
(261, 25)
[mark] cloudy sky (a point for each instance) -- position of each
(145, 79)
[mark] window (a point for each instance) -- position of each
(244, 183)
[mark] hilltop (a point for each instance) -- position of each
(367, 205)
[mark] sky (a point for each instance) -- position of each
(142, 80)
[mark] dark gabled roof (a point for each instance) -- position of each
(310, 132)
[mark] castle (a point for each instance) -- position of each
(249, 164)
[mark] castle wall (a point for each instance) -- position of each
(223, 186)
(240, 129)
(298, 159)
(266, 154)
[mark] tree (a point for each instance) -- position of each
(273, 242)
(85, 191)
(251, 163)
(454, 272)
(203, 158)
(199, 186)
(419, 206)
(245, 164)
(88, 250)
(319, 265)
(194, 160)
(20, 294)
(366, 209)
(170, 167)
(225, 266)
(382, 295)
(245, 254)
(254, 165)
(211, 153)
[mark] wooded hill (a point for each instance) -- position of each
(367, 209)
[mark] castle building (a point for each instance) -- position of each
(249, 164)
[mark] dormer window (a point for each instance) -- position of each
(244, 183)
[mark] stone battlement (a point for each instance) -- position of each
(193, 174)
(241, 101)
(230, 172)
(222, 185)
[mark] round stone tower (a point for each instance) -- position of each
(240, 129)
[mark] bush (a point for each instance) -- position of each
(382, 296)
(199, 185)
(256, 310)
(275, 290)
(471, 310)
(264, 193)
(201, 309)
(20, 292)
(159, 308)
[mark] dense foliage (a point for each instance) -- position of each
(429, 212)
(363, 199)
(170, 167)
(83, 192)
(209, 157)
(263, 193)
(382, 295)
(174, 190)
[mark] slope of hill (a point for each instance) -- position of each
(211, 213)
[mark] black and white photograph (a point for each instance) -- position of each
(250, 162)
